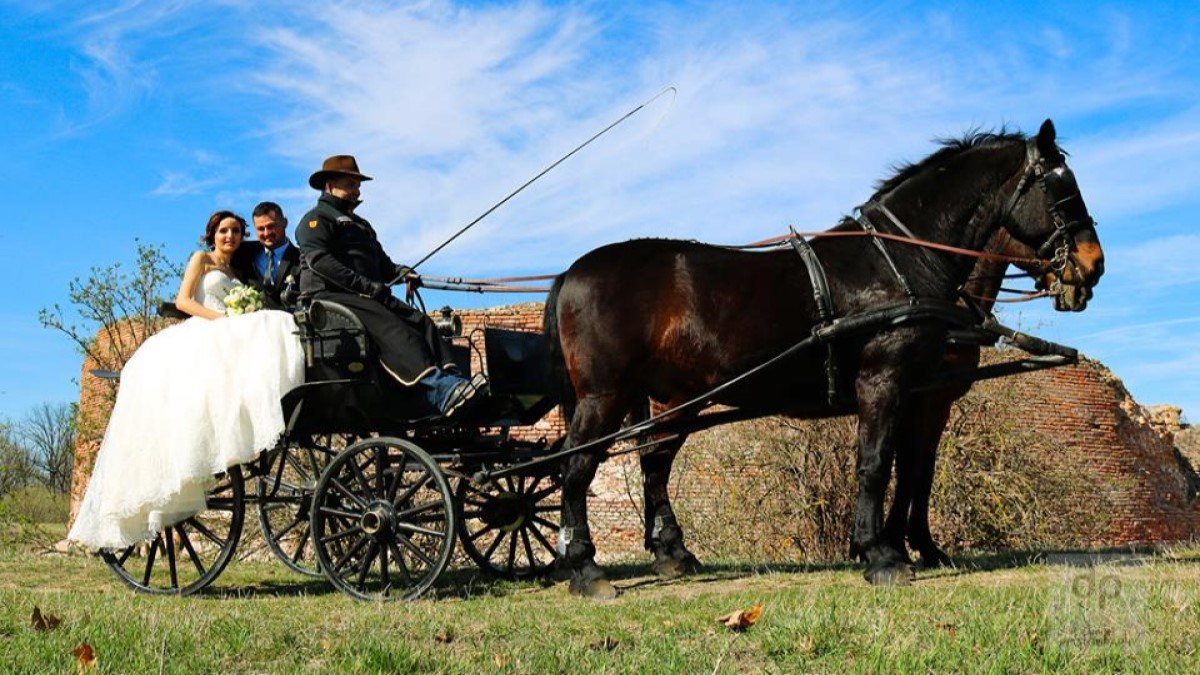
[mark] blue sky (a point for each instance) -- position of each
(138, 119)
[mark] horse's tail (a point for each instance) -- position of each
(558, 380)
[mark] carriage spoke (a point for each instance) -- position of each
(364, 567)
(384, 577)
(340, 535)
(411, 490)
(169, 546)
(545, 523)
(543, 493)
(528, 546)
(191, 550)
(346, 491)
(428, 506)
(304, 538)
(405, 575)
(494, 545)
(360, 477)
(408, 527)
(221, 504)
(150, 561)
(537, 534)
(415, 550)
(125, 555)
(380, 471)
(512, 550)
(341, 562)
(281, 533)
(206, 532)
(329, 510)
(484, 530)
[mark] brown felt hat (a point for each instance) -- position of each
(338, 164)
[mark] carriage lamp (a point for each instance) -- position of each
(447, 323)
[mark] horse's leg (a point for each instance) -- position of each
(595, 416)
(896, 525)
(879, 404)
(929, 422)
(664, 537)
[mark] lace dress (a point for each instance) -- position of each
(194, 400)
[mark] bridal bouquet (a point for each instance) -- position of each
(243, 300)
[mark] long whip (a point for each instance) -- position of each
(545, 171)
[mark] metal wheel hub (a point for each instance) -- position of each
(378, 520)
(506, 511)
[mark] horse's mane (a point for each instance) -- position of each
(951, 147)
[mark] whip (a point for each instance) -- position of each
(545, 171)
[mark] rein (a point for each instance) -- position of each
(506, 284)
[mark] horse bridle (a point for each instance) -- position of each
(1060, 188)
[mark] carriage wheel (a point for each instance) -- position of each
(509, 527)
(285, 499)
(383, 520)
(187, 556)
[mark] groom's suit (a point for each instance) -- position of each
(245, 261)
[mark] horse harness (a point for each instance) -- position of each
(1060, 188)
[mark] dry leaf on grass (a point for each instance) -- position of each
(950, 629)
(44, 621)
(85, 657)
(741, 619)
(445, 637)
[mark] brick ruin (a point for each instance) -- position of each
(1142, 457)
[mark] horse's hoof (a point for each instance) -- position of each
(594, 589)
(670, 568)
(559, 571)
(934, 559)
(890, 575)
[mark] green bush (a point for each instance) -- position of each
(37, 504)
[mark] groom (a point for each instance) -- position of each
(269, 263)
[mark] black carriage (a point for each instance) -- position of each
(367, 489)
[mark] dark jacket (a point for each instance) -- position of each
(244, 264)
(340, 250)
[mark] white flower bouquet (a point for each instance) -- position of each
(243, 299)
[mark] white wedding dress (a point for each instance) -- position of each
(194, 400)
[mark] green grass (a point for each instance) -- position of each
(994, 614)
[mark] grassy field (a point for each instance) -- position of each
(994, 614)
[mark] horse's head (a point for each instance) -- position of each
(1046, 212)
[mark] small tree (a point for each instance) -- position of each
(113, 305)
(16, 470)
(114, 311)
(49, 438)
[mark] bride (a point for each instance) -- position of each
(194, 400)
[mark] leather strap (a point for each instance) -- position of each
(824, 302)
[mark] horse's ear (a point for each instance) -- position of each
(1045, 139)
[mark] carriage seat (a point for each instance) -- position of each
(335, 341)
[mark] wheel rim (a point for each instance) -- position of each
(510, 527)
(187, 556)
(285, 500)
(383, 520)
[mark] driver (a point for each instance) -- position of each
(344, 263)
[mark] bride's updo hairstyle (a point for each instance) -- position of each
(210, 230)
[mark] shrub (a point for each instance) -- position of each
(784, 490)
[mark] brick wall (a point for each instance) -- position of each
(1085, 408)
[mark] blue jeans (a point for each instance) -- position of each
(437, 387)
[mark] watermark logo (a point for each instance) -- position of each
(1096, 599)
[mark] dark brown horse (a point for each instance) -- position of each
(929, 411)
(670, 320)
